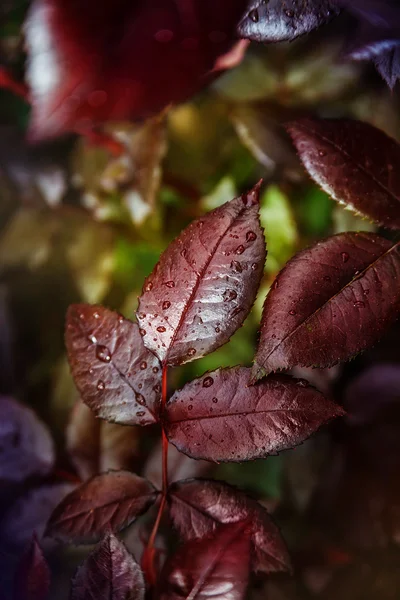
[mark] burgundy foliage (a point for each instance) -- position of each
(117, 377)
(205, 283)
(198, 507)
(222, 417)
(32, 579)
(330, 302)
(109, 572)
(108, 502)
(355, 163)
(215, 567)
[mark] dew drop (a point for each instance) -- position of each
(190, 407)
(166, 304)
(161, 329)
(208, 381)
(345, 256)
(236, 266)
(254, 266)
(96, 315)
(183, 253)
(217, 330)
(140, 399)
(359, 304)
(140, 413)
(141, 315)
(103, 353)
(289, 13)
(148, 287)
(292, 312)
(240, 249)
(251, 236)
(169, 284)
(100, 385)
(191, 351)
(275, 285)
(143, 365)
(229, 295)
(157, 388)
(142, 332)
(322, 153)
(155, 370)
(215, 400)
(93, 339)
(254, 16)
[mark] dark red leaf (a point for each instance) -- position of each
(355, 163)
(108, 502)
(205, 283)
(117, 377)
(330, 302)
(221, 417)
(109, 573)
(121, 60)
(32, 579)
(198, 506)
(216, 567)
(26, 447)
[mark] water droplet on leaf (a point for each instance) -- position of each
(240, 249)
(100, 385)
(103, 353)
(161, 329)
(143, 365)
(251, 236)
(208, 381)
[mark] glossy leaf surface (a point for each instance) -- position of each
(108, 502)
(109, 572)
(355, 163)
(330, 302)
(198, 506)
(216, 567)
(205, 283)
(221, 417)
(117, 377)
(32, 579)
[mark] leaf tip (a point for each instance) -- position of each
(258, 372)
(252, 198)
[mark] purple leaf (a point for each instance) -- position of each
(388, 65)
(117, 377)
(221, 417)
(205, 283)
(32, 579)
(108, 502)
(109, 573)
(216, 567)
(198, 506)
(355, 163)
(330, 302)
(26, 446)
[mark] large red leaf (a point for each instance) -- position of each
(198, 506)
(216, 567)
(357, 164)
(32, 579)
(120, 60)
(109, 573)
(108, 502)
(221, 417)
(205, 283)
(117, 377)
(330, 302)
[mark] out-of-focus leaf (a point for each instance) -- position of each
(32, 579)
(26, 446)
(109, 572)
(330, 302)
(262, 477)
(197, 507)
(219, 256)
(215, 567)
(314, 212)
(222, 193)
(117, 377)
(108, 502)
(388, 65)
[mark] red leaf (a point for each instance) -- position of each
(26, 446)
(108, 502)
(205, 283)
(121, 60)
(197, 507)
(32, 579)
(355, 163)
(215, 567)
(330, 302)
(221, 417)
(117, 377)
(109, 573)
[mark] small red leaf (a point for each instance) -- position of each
(197, 507)
(355, 163)
(117, 377)
(216, 567)
(330, 302)
(109, 573)
(205, 283)
(32, 579)
(108, 502)
(221, 417)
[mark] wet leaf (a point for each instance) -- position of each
(32, 579)
(197, 507)
(205, 283)
(117, 377)
(109, 572)
(26, 447)
(215, 567)
(108, 502)
(221, 417)
(330, 302)
(355, 163)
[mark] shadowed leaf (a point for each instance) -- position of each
(205, 283)
(108, 502)
(117, 377)
(32, 579)
(221, 417)
(330, 302)
(197, 507)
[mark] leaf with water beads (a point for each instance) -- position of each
(330, 302)
(117, 377)
(205, 283)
